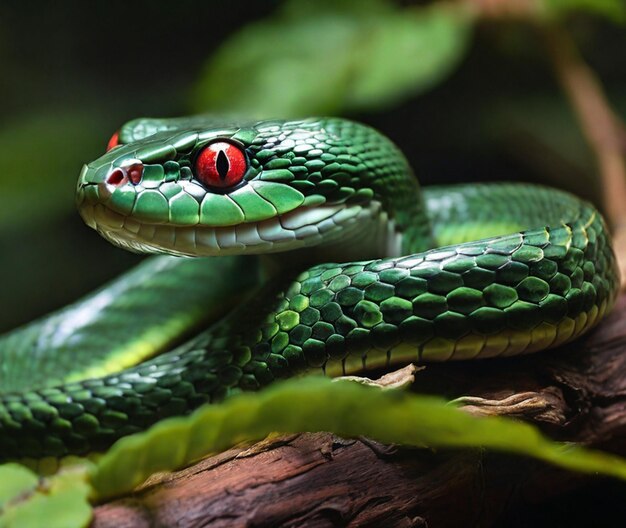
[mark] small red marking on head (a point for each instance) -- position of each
(117, 177)
(114, 141)
(220, 164)
(135, 172)
(122, 175)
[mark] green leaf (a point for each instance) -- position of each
(330, 57)
(345, 408)
(15, 481)
(58, 502)
(406, 54)
(614, 10)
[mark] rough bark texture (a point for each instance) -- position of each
(576, 393)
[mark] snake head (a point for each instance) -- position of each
(197, 186)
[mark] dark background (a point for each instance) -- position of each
(72, 72)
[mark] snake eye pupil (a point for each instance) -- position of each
(114, 141)
(220, 164)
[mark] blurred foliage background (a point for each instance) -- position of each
(465, 88)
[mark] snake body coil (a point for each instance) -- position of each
(515, 269)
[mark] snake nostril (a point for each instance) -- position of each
(122, 175)
(117, 177)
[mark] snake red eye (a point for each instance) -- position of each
(220, 164)
(114, 141)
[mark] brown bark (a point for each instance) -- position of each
(576, 393)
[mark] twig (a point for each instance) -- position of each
(603, 130)
(600, 126)
(505, 9)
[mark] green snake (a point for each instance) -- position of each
(363, 270)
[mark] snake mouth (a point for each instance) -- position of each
(305, 226)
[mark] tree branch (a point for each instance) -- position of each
(576, 393)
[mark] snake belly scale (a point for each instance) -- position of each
(367, 270)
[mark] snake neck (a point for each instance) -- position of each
(371, 234)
